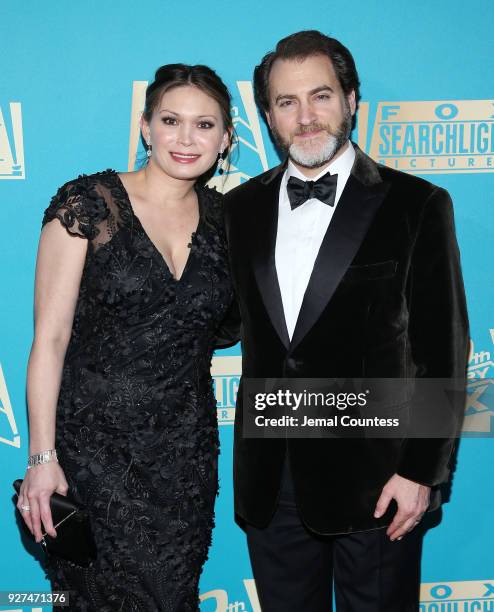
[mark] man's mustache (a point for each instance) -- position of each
(303, 129)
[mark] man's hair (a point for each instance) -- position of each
(300, 46)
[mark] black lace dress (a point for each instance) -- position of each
(136, 426)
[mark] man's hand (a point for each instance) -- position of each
(412, 499)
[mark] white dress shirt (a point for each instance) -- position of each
(301, 232)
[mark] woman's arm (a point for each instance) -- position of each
(58, 274)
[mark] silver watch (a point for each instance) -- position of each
(43, 457)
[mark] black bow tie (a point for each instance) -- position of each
(323, 189)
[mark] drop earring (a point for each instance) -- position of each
(220, 163)
(149, 150)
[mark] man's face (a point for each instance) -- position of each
(309, 115)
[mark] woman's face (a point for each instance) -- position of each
(186, 133)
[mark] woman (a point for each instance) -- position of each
(126, 322)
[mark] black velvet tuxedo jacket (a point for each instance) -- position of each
(385, 299)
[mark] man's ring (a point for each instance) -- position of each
(25, 508)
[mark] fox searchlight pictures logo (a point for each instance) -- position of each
(225, 372)
(430, 137)
(462, 596)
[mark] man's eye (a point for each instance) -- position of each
(285, 103)
(323, 96)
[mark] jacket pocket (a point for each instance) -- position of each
(374, 271)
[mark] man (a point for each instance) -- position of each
(354, 275)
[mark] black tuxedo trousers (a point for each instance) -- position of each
(293, 567)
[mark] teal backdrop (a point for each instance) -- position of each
(71, 81)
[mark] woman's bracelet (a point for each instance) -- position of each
(43, 457)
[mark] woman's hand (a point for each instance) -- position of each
(38, 485)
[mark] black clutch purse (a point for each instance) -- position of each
(74, 541)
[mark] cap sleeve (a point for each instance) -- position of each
(79, 208)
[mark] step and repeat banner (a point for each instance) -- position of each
(72, 83)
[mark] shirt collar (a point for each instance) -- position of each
(341, 165)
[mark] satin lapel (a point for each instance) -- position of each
(362, 196)
(263, 249)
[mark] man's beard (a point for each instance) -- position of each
(308, 158)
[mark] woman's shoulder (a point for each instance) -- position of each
(212, 201)
(212, 194)
(88, 182)
(81, 203)
(212, 198)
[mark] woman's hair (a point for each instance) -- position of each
(204, 78)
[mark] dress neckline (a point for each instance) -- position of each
(146, 235)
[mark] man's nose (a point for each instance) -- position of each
(306, 113)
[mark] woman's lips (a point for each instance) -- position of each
(184, 158)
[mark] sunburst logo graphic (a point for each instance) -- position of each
(8, 428)
(11, 143)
